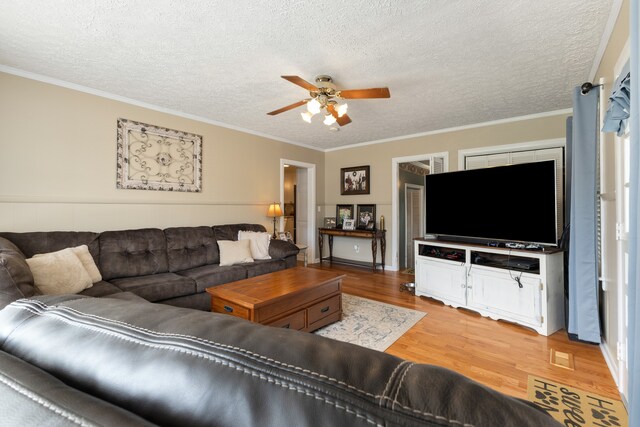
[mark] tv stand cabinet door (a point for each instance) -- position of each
(497, 295)
(442, 280)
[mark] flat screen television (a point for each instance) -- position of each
(514, 203)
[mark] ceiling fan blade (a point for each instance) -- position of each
(300, 82)
(378, 92)
(342, 121)
(287, 108)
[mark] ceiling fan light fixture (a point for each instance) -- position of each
(313, 106)
(329, 120)
(306, 116)
(342, 109)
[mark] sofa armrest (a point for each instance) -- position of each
(16, 279)
(280, 249)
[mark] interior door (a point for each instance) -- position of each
(622, 237)
(414, 219)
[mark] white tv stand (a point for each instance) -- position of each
(521, 286)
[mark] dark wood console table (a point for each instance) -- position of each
(373, 235)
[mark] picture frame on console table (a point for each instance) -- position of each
(343, 212)
(366, 217)
(349, 224)
(329, 222)
(355, 180)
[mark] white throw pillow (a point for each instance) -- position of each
(259, 243)
(234, 252)
(83, 254)
(59, 272)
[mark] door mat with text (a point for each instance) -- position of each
(574, 407)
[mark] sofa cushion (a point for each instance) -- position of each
(230, 231)
(263, 266)
(16, 279)
(130, 253)
(190, 247)
(234, 252)
(41, 242)
(31, 396)
(212, 275)
(259, 243)
(101, 289)
(281, 249)
(59, 272)
(89, 264)
(156, 287)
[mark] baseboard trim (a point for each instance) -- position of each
(612, 363)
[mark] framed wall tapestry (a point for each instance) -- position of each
(355, 180)
(156, 158)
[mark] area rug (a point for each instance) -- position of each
(370, 324)
(574, 407)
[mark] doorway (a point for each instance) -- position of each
(414, 220)
(298, 199)
(408, 214)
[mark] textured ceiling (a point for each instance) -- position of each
(447, 63)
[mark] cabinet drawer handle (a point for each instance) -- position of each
(228, 309)
(324, 310)
(287, 326)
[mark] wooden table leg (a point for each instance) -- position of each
(374, 251)
(330, 249)
(383, 248)
(320, 244)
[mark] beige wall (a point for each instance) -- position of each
(606, 71)
(58, 166)
(379, 157)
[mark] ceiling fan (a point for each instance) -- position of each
(324, 95)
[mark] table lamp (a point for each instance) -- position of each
(274, 211)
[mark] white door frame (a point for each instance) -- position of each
(311, 201)
(408, 186)
(395, 166)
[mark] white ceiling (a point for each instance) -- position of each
(447, 62)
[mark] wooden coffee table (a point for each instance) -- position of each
(298, 298)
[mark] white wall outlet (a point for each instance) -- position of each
(318, 209)
(356, 248)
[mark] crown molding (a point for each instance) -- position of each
(458, 128)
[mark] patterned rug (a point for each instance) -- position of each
(370, 324)
(574, 407)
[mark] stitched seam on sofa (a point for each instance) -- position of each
(254, 372)
(404, 374)
(241, 350)
(386, 387)
(45, 403)
(215, 344)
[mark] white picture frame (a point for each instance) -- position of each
(349, 224)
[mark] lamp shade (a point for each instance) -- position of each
(274, 210)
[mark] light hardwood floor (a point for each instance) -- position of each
(498, 354)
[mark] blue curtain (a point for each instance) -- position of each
(619, 104)
(584, 321)
(634, 220)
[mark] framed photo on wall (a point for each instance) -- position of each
(355, 180)
(343, 212)
(366, 216)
